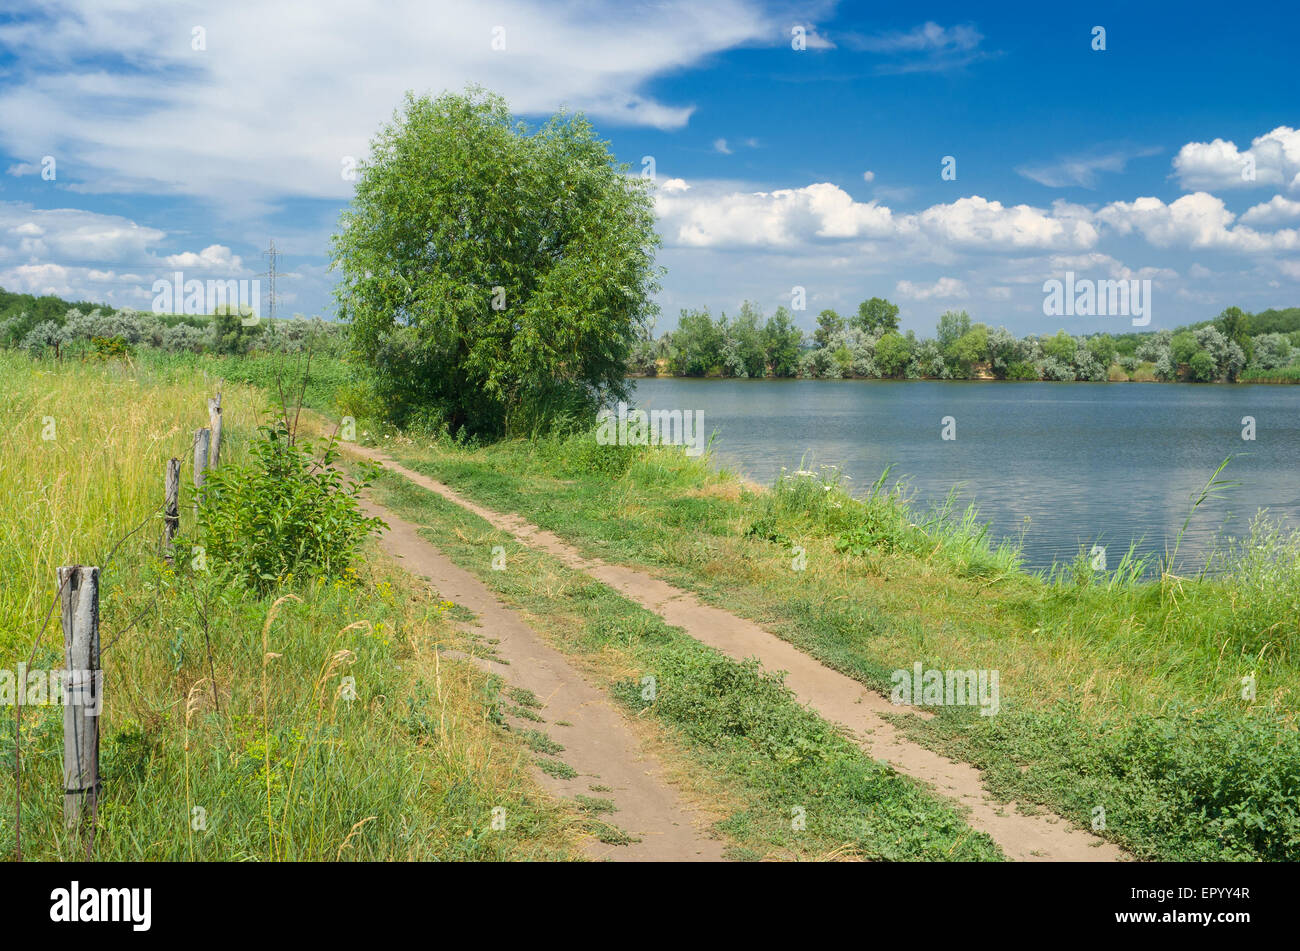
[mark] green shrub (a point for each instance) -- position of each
(286, 514)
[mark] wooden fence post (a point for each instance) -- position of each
(214, 421)
(202, 438)
(172, 507)
(83, 695)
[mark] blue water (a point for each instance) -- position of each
(1054, 465)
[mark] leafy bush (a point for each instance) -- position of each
(1201, 367)
(286, 514)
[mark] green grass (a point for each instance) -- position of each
(1289, 374)
(1114, 688)
(750, 750)
(276, 756)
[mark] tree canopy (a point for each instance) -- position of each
(494, 278)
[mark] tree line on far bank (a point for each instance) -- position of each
(55, 327)
(869, 345)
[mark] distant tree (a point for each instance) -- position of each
(1234, 323)
(1060, 347)
(1004, 351)
(952, 324)
(1103, 349)
(697, 344)
(893, 351)
(1229, 359)
(745, 337)
(1183, 346)
(782, 341)
(230, 334)
(829, 323)
(1272, 352)
(876, 316)
(970, 348)
(1201, 367)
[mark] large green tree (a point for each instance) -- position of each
(494, 278)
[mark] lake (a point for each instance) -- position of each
(1058, 465)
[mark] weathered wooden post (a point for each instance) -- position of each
(202, 438)
(172, 507)
(83, 693)
(214, 422)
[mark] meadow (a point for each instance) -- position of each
(1159, 711)
(227, 731)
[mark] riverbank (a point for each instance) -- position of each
(1112, 689)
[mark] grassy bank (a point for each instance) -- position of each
(229, 730)
(1167, 707)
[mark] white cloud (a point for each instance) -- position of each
(1199, 220)
(213, 256)
(868, 176)
(716, 216)
(283, 92)
(1220, 164)
(977, 223)
(73, 235)
(942, 289)
(83, 255)
(720, 145)
(1276, 211)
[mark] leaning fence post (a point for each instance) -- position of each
(83, 695)
(214, 421)
(172, 506)
(202, 438)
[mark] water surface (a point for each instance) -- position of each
(1057, 464)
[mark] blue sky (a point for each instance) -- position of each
(774, 167)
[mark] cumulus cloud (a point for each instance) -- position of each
(213, 256)
(1199, 220)
(73, 235)
(716, 216)
(975, 223)
(710, 217)
(942, 289)
(1276, 211)
(1272, 159)
(83, 255)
